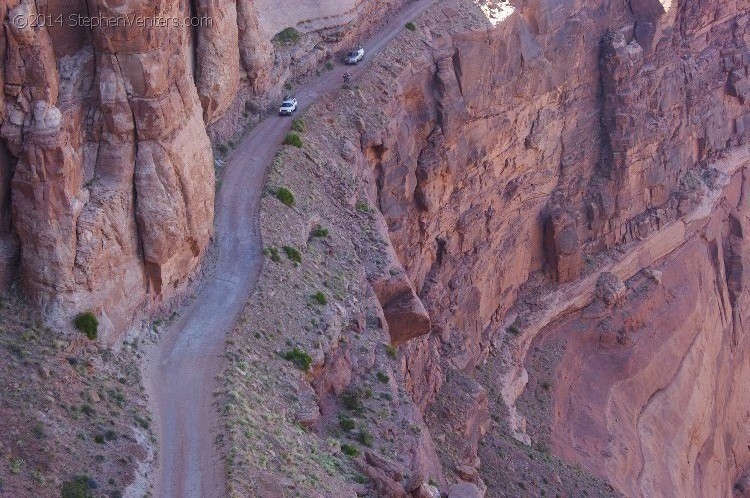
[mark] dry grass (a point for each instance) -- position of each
(69, 408)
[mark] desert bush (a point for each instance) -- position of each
(298, 125)
(346, 423)
(320, 232)
(79, 487)
(293, 139)
(383, 377)
(285, 196)
(392, 351)
(365, 437)
(272, 253)
(411, 26)
(300, 358)
(293, 254)
(88, 324)
(287, 36)
(352, 400)
(320, 298)
(349, 450)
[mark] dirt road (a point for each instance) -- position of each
(180, 376)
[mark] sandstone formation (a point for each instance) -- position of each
(495, 175)
(533, 174)
(112, 192)
(106, 170)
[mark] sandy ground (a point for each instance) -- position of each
(181, 371)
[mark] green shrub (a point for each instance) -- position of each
(363, 207)
(383, 377)
(99, 438)
(349, 450)
(293, 139)
(320, 232)
(300, 358)
(352, 400)
(365, 437)
(285, 196)
(293, 254)
(514, 330)
(411, 26)
(272, 253)
(346, 423)
(329, 65)
(79, 487)
(546, 385)
(320, 298)
(88, 324)
(298, 125)
(15, 465)
(391, 350)
(287, 36)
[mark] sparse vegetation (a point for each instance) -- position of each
(285, 196)
(392, 351)
(15, 465)
(365, 437)
(298, 125)
(349, 450)
(293, 254)
(346, 423)
(300, 358)
(383, 377)
(87, 323)
(411, 26)
(293, 139)
(320, 298)
(363, 207)
(273, 254)
(287, 36)
(329, 65)
(320, 233)
(546, 385)
(352, 400)
(79, 487)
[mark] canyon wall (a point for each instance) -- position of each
(106, 168)
(664, 371)
(522, 144)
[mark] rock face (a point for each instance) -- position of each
(526, 145)
(106, 169)
(113, 190)
(675, 386)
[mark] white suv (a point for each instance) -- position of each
(288, 106)
(355, 56)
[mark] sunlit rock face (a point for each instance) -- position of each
(535, 141)
(652, 394)
(112, 192)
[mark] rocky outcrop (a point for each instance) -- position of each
(489, 176)
(218, 57)
(113, 185)
(675, 384)
(104, 115)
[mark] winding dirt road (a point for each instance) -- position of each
(181, 374)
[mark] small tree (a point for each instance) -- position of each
(88, 324)
(285, 196)
(293, 139)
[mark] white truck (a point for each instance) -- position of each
(355, 56)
